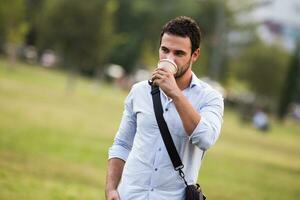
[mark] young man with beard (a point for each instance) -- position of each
(139, 166)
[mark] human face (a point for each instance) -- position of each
(178, 49)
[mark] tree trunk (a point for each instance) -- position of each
(291, 85)
(11, 50)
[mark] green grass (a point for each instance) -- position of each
(53, 144)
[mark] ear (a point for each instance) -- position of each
(195, 54)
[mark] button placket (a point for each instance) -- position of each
(166, 102)
(154, 176)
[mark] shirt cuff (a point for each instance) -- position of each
(119, 150)
(202, 135)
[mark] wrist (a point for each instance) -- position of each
(176, 96)
(109, 188)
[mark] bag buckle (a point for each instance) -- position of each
(179, 167)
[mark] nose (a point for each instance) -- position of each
(170, 56)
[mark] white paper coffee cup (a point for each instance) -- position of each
(168, 64)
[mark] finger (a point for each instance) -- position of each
(157, 70)
(162, 70)
(158, 76)
(115, 197)
(165, 69)
(157, 80)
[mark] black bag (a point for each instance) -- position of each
(192, 192)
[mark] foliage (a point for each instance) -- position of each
(291, 87)
(34, 9)
(13, 21)
(124, 32)
(81, 32)
(262, 68)
(13, 26)
(89, 35)
(139, 23)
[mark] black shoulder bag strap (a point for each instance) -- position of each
(164, 130)
(165, 133)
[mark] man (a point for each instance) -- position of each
(139, 167)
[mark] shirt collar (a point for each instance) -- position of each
(194, 81)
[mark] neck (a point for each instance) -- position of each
(185, 80)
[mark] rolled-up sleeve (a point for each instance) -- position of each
(124, 138)
(208, 129)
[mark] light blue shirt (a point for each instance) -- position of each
(148, 172)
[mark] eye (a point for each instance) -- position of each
(164, 49)
(179, 53)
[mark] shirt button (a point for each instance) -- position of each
(159, 149)
(155, 169)
(152, 189)
(166, 109)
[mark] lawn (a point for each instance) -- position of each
(54, 143)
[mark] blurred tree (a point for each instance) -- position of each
(262, 68)
(81, 32)
(237, 32)
(214, 19)
(13, 26)
(291, 88)
(131, 29)
(2, 33)
(33, 12)
(139, 22)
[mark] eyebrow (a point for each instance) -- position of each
(176, 51)
(180, 52)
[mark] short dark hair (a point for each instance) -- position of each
(185, 27)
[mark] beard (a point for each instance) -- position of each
(182, 70)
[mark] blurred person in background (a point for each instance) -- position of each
(260, 120)
(139, 166)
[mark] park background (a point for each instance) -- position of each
(66, 67)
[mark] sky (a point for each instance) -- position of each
(282, 11)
